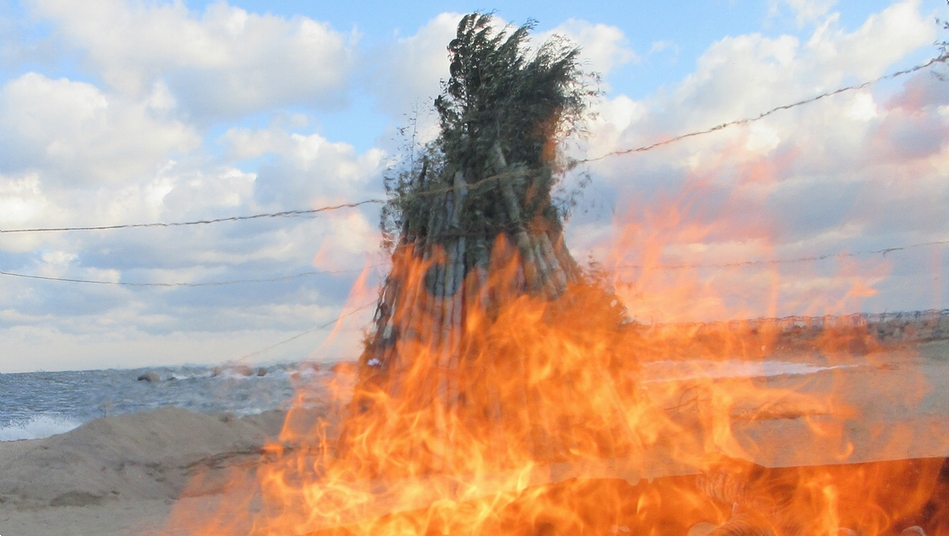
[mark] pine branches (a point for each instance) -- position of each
(499, 92)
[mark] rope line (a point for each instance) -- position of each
(739, 264)
(283, 214)
(884, 252)
(307, 332)
(356, 204)
(179, 284)
(762, 115)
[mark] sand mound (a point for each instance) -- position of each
(146, 455)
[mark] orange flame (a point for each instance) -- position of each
(540, 417)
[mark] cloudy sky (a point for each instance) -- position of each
(118, 112)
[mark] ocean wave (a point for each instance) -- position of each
(38, 427)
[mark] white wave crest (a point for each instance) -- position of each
(38, 427)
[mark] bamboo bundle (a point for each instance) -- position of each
(439, 275)
(474, 229)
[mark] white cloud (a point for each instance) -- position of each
(660, 46)
(742, 76)
(405, 75)
(223, 63)
(861, 170)
(858, 171)
(119, 346)
(245, 143)
(55, 263)
(762, 139)
(21, 200)
(863, 108)
(883, 39)
(308, 168)
(737, 77)
(77, 135)
(188, 193)
(806, 11)
(602, 47)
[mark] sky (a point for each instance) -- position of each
(118, 112)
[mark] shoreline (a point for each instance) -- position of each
(43, 404)
(123, 475)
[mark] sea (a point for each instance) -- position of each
(35, 405)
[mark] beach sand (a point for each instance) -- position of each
(123, 475)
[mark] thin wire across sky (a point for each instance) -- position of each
(356, 204)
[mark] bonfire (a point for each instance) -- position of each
(497, 391)
(477, 244)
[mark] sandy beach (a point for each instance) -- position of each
(118, 475)
(123, 475)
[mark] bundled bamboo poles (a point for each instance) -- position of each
(446, 281)
(472, 333)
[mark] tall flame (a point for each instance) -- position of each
(535, 419)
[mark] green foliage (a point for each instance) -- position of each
(496, 92)
(498, 95)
